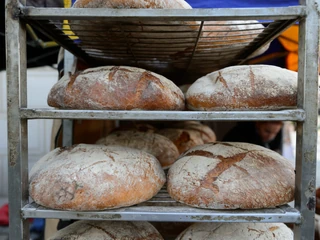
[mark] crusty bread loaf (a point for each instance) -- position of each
(121, 4)
(232, 34)
(206, 133)
(107, 230)
(159, 146)
(239, 231)
(247, 87)
(116, 88)
(184, 139)
(94, 177)
(225, 175)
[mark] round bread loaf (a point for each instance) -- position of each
(239, 231)
(107, 230)
(116, 88)
(206, 133)
(184, 139)
(95, 177)
(159, 146)
(247, 87)
(225, 175)
(231, 34)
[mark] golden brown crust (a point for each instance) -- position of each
(184, 139)
(116, 88)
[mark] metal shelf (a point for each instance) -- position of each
(182, 45)
(283, 115)
(178, 57)
(163, 208)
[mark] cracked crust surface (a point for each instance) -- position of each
(247, 87)
(95, 177)
(240, 231)
(116, 88)
(225, 175)
(159, 146)
(108, 230)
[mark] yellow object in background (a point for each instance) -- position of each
(66, 26)
(290, 41)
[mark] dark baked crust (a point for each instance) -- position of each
(116, 88)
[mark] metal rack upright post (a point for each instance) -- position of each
(17, 15)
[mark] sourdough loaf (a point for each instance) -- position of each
(116, 88)
(184, 139)
(108, 230)
(225, 175)
(239, 231)
(95, 177)
(157, 145)
(206, 133)
(247, 87)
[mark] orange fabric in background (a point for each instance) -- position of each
(290, 41)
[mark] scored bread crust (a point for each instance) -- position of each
(95, 177)
(239, 231)
(247, 87)
(225, 175)
(116, 88)
(184, 139)
(157, 145)
(107, 230)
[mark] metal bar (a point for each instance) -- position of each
(283, 115)
(165, 14)
(61, 39)
(305, 200)
(17, 171)
(195, 46)
(170, 213)
(67, 124)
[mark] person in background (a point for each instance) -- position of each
(265, 133)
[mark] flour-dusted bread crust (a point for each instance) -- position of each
(125, 4)
(107, 230)
(159, 146)
(116, 88)
(95, 177)
(206, 133)
(231, 34)
(247, 87)
(225, 175)
(238, 231)
(184, 139)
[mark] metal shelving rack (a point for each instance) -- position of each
(162, 207)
